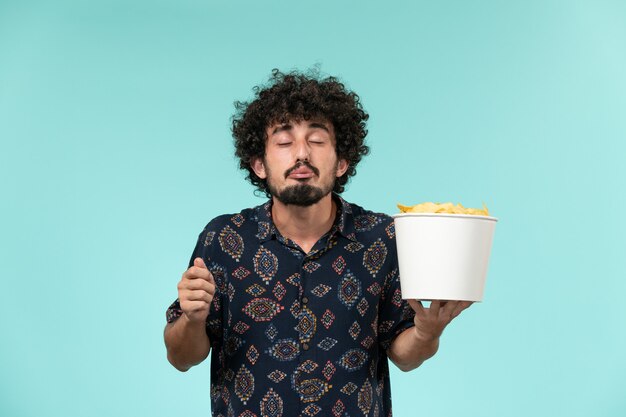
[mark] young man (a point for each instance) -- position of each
(299, 298)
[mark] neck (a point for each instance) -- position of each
(304, 225)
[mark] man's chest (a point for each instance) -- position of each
(284, 303)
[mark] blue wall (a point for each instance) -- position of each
(115, 151)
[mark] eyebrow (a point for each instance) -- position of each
(288, 126)
(282, 128)
(319, 126)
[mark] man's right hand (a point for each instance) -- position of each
(195, 292)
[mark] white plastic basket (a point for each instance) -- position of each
(443, 256)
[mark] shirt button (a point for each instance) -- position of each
(305, 346)
(305, 300)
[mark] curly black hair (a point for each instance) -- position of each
(297, 96)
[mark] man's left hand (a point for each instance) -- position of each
(430, 322)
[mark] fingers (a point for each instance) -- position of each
(442, 309)
(199, 271)
(453, 308)
(462, 305)
(196, 290)
(417, 306)
(435, 306)
(199, 262)
(195, 303)
(195, 310)
(447, 309)
(197, 280)
(434, 309)
(198, 295)
(197, 284)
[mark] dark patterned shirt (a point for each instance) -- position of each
(296, 334)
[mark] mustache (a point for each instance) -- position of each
(300, 164)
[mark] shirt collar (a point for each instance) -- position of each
(344, 222)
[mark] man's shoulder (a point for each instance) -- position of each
(369, 223)
(358, 211)
(246, 219)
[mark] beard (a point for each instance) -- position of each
(303, 194)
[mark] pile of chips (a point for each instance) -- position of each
(443, 208)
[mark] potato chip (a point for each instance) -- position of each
(449, 208)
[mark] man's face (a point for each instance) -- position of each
(300, 163)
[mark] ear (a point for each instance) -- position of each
(258, 167)
(342, 167)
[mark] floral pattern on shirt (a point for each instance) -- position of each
(297, 334)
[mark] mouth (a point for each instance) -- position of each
(302, 171)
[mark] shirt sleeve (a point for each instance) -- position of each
(214, 319)
(395, 314)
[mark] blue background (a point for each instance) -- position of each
(116, 151)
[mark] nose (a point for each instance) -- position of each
(303, 150)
